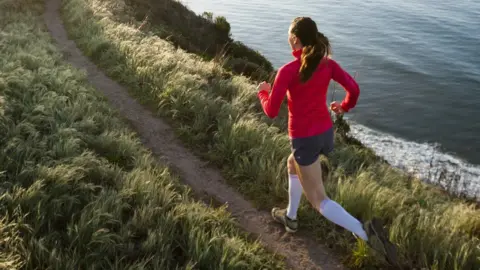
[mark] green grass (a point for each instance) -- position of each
(77, 189)
(205, 34)
(219, 117)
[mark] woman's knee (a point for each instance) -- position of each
(291, 165)
(312, 179)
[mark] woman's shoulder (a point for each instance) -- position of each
(293, 65)
(332, 62)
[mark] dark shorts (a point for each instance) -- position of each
(307, 150)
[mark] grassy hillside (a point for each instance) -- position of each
(220, 118)
(77, 189)
(205, 35)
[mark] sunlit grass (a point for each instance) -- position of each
(77, 188)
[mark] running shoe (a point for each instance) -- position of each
(280, 215)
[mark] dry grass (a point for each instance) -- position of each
(221, 119)
(77, 189)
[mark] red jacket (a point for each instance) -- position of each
(308, 113)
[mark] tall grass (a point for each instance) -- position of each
(77, 189)
(220, 118)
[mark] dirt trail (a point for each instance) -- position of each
(300, 251)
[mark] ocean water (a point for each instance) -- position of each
(417, 64)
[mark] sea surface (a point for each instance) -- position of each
(417, 64)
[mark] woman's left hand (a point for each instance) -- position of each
(336, 107)
(264, 86)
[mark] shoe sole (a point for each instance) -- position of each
(279, 221)
(389, 248)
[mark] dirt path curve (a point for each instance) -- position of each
(300, 251)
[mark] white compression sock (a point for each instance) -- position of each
(336, 214)
(295, 191)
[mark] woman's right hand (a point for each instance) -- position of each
(264, 86)
(336, 107)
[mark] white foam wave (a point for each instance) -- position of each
(424, 160)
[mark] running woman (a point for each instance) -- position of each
(305, 81)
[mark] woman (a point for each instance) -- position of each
(305, 81)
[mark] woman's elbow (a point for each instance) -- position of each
(271, 114)
(354, 90)
(356, 86)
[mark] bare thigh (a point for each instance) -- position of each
(311, 178)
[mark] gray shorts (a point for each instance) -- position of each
(307, 150)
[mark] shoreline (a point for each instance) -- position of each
(464, 157)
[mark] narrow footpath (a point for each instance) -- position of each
(301, 251)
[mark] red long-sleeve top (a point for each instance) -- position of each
(307, 102)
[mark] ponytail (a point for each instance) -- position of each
(312, 55)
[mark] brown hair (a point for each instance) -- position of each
(315, 45)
